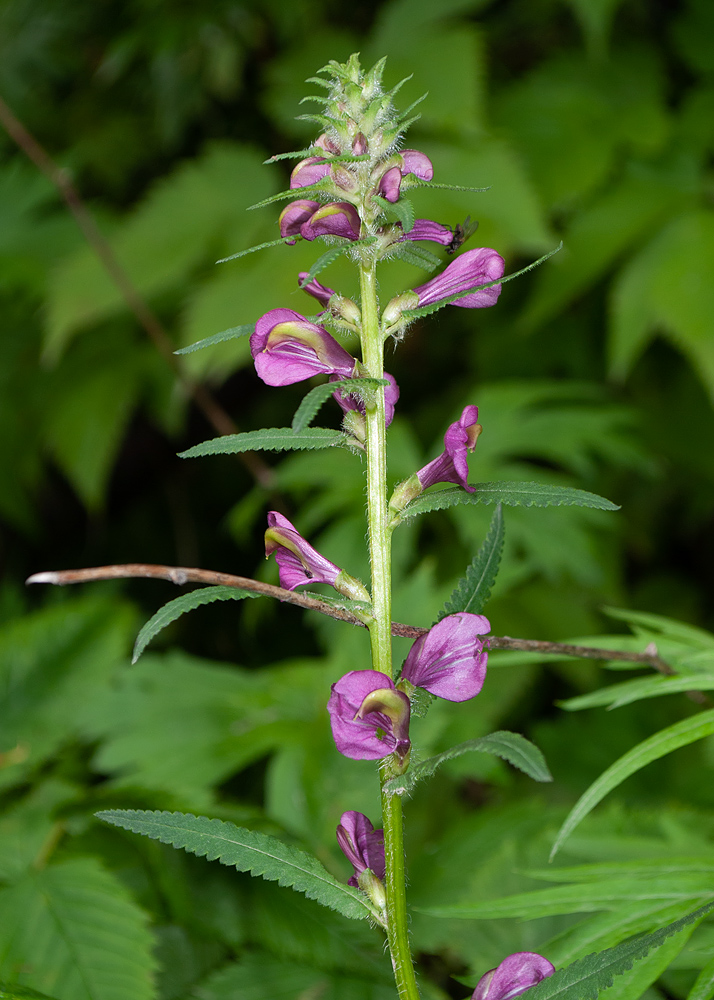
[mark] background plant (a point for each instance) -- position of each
(576, 123)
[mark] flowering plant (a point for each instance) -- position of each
(350, 189)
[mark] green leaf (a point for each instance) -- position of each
(584, 979)
(416, 255)
(474, 589)
(679, 735)
(179, 606)
(218, 338)
(75, 929)
(312, 402)
(512, 494)
(513, 747)
(248, 851)
(402, 210)
(703, 988)
(617, 695)
(260, 246)
(15, 992)
(268, 439)
(645, 868)
(331, 255)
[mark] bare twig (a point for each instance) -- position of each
(211, 409)
(181, 574)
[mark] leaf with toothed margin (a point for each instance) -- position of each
(320, 185)
(179, 606)
(416, 255)
(260, 246)
(332, 254)
(248, 851)
(474, 589)
(269, 439)
(511, 494)
(218, 338)
(402, 210)
(513, 747)
(312, 402)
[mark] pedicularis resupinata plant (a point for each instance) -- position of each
(351, 190)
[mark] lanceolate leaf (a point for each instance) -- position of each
(311, 403)
(617, 695)
(268, 439)
(416, 255)
(584, 979)
(260, 246)
(679, 735)
(474, 589)
(71, 930)
(703, 988)
(218, 338)
(511, 494)
(325, 260)
(179, 606)
(248, 851)
(513, 747)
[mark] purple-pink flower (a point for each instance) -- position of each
(349, 402)
(450, 660)
(338, 218)
(287, 348)
(309, 171)
(452, 465)
(411, 161)
(321, 292)
(295, 215)
(298, 562)
(513, 976)
(425, 229)
(361, 844)
(468, 270)
(369, 717)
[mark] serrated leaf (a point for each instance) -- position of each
(259, 246)
(248, 851)
(78, 934)
(584, 979)
(680, 734)
(474, 589)
(511, 494)
(179, 606)
(218, 338)
(416, 255)
(703, 988)
(284, 195)
(513, 747)
(268, 439)
(617, 695)
(312, 402)
(402, 210)
(331, 255)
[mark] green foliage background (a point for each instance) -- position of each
(590, 121)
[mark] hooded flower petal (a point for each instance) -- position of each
(339, 218)
(362, 845)
(417, 163)
(297, 213)
(321, 292)
(349, 402)
(452, 465)
(299, 563)
(450, 660)
(513, 976)
(287, 349)
(390, 184)
(470, 269)
(309, 171)
(369, 717)
(425, 229)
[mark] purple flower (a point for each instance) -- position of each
(513, 976)
(475, 267)
(321, 292)
(339, 218)
(297, 213)
(287, 349)
(361, 844)
(369, 717)
(390, 184)
(299, 563)
(452, 466)
(349, 402)
(450, 659)
(409, 161)
(425, 229)
(417, 163)
(309, 171)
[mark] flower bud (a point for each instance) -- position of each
(393, 310)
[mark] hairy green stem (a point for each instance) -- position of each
(380, 628)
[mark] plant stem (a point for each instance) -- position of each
(380, 630)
